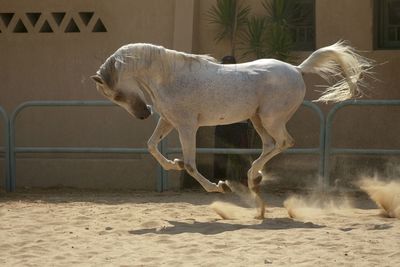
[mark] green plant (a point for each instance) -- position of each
(254, 38)
(280, 17)
(230, 16)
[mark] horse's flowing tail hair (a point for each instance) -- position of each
(339, 62)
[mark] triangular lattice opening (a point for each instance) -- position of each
(6, 17)
(58, 17)
(99, 27)
(33, 17)
(20, 27)
(86, 17)
(72, 27)
(46, 27)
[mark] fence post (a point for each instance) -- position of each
(163, 178)
(322, 134)
(6, 149)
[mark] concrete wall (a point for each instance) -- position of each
(56, 65)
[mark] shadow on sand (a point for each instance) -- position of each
(217, 227)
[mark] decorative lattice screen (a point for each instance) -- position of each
(51, 22)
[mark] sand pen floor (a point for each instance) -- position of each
(182, 229)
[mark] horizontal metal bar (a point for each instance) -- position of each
(240, 151)
(81, 150)
(368, 102)
(243, 151)
(58, 103)
(365, 151)
(65, 103)
(303, 151)
(360, 102)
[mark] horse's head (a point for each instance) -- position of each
(131, 101)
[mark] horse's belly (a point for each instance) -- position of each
(224, 117)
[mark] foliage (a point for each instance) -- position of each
(280, 11)
(254, 38)
(280, 17)
(230, 16)
(270, 36)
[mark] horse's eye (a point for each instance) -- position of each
(119, 97)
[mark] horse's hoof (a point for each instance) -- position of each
(259, 217)
(179, 163)
(224, 187)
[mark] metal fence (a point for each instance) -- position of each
(14, 149)
(330, 150)
(324, 149)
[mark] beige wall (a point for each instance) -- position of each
(347, 20)
(57, 66)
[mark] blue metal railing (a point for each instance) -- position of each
(91, 103)
(162, 175)
(5, 149)
(329, 150)
(324, 150)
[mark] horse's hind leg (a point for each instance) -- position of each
(270, 131)
(253, 175)
(268, 145)
(162, 129)
(281, 140)
(187, 136)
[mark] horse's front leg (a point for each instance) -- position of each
(187, 137)
(162, 129)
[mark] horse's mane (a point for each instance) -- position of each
(140, 56)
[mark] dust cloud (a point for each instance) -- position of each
(315, 205)
(235, 208)
(386, 194)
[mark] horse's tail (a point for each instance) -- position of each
(338, 61)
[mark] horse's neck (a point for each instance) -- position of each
(163, 74)
(148, 88)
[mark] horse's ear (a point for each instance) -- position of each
(97, 79)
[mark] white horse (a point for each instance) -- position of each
(189, 91)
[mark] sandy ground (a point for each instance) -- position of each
(59, 228)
